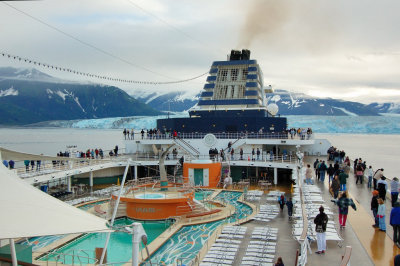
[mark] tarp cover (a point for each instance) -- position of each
(26, 211)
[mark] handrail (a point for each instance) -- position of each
(346, 257)
(58, 255)
(18, 262)
(186, 146)
(228, 135)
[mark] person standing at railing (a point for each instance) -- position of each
(132, 134)
(394, 190)
(116, 150)
(38, 163)
(142, 133)
(382, 215)
(232, 153)
(26, 163)
(124, 132)
(370, 173)
(374, 207)
(241, 154)
(258, 154)
(395, 223)
(382, 187)
(11, 163)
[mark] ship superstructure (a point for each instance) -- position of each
(233, 100)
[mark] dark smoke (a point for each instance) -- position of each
(264, 18)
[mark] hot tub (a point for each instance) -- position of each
(150, 196)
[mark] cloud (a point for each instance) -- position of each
(332, 47)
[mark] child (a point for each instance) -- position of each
(281, 201)
(381, 215)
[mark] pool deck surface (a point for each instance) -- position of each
(369, 245)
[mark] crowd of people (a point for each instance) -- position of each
(338, 174)
(155, 133)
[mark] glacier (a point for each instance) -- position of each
(319, 124)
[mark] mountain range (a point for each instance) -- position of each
(289, 103)
(29, 96)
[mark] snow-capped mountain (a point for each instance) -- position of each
(301, 104)
(25, 99)
(390, 108)
(288, 103)
(28, 74)
(171, 101)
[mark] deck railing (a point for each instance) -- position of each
(224, 135)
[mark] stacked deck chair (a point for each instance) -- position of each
(267, 212)
(254, 195)
(225, 248)
(313, 200)
(273, 196)
(262, 247)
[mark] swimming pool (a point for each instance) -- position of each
(42, 241)
(119, 248)
(150, 196)
(187, 242)
(202, 194)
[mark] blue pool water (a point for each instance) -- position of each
(150, 196)
(119, 248)
(187, 242)
(43, 241)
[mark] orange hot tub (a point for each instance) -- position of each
(156, 207)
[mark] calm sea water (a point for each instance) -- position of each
(50, 141)
(381, 151)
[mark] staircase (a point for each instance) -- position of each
(237, 143)
(187, 147)
(225, 169)
(178, 173)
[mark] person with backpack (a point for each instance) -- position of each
(331, 172)
(322, 170)
(343, 180)
(377, 176)
(320, 221)
(281, 201)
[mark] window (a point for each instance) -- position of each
(234, 74)
(223, 75)
(244, 74)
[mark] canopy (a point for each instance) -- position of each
(26, 211)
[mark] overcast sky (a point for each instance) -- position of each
(340, 49)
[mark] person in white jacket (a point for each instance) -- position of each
(370, 174)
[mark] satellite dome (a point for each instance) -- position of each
(272, 108)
